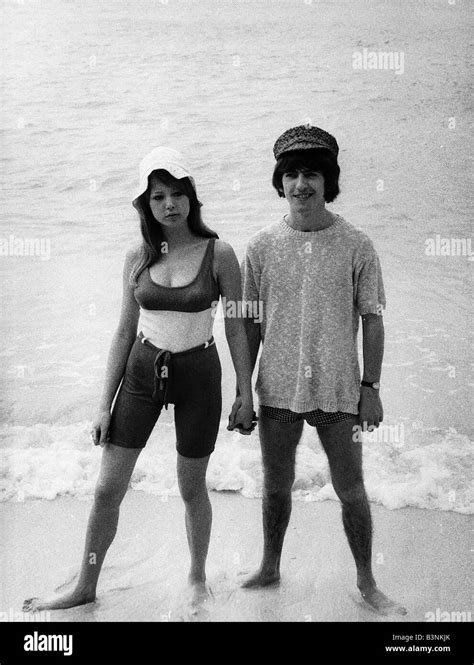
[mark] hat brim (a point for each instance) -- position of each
(305, 145)
(173, 169)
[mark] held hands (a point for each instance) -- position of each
(100, 428)
(370, 409)
(242, 416)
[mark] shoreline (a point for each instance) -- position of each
(420, 558)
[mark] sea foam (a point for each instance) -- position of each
(430, 469)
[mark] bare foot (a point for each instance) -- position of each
(72, 599)
(195, 601)
(380, 602)
(261, 578)
(200, 592)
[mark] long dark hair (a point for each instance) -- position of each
(152, 234)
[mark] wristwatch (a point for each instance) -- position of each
(375, 385)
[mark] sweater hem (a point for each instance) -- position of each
(329, 406)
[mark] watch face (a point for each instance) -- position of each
(376, 385)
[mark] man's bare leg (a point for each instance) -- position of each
(345, 462)
(278, 442)
(116, 469)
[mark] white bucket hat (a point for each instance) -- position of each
(161, 158)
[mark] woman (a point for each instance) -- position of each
(171, 285)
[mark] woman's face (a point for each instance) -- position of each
(169, 206)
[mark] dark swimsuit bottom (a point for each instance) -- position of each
(315, 418)
(190, 379)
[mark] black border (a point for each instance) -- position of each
(146, 643)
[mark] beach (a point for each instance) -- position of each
(89, 89)
(420, 559)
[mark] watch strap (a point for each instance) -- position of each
(371, 384)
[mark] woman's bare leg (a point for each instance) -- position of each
(192, 485)
(115, 473)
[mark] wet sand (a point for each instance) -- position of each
(420, 559)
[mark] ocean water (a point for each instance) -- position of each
(90, 87)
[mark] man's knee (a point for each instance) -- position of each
(277, 480)
(351, 494)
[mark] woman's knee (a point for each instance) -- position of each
(193, 491)
(109, 494)
(192, 486)
(192, 477)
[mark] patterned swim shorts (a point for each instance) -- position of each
(313, 418)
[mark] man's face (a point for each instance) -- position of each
(304, 190)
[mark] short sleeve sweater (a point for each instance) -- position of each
(313, 286)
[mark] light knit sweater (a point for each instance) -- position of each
(313, 287)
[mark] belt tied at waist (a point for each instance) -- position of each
(162, 370)
(162, 366)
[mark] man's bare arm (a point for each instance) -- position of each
(370, 405)
(373, 336)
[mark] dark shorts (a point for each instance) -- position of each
(316, 418)
(191, 380)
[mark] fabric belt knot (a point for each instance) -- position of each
(162, 366)
(162, 369)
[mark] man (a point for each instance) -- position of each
(315, 275)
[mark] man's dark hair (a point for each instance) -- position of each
(318, 159)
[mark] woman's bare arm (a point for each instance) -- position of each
(228, 274)
(123, 338)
